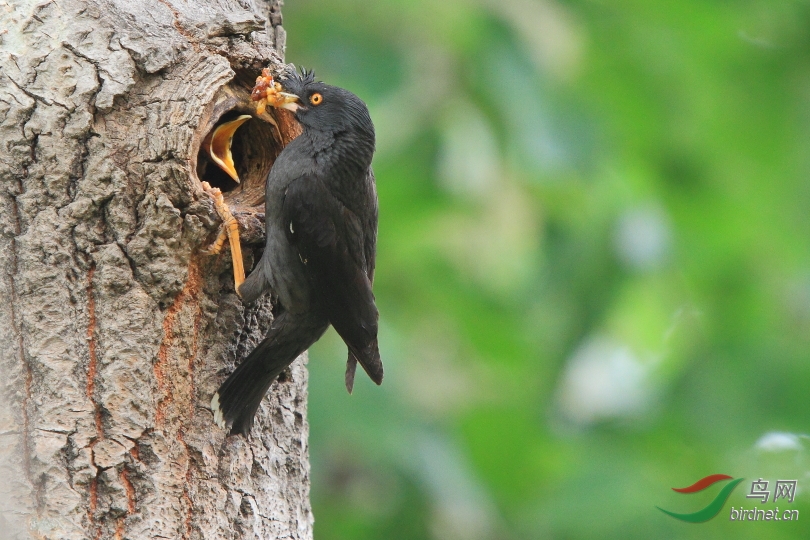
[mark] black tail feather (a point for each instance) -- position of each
(237, 400)
(369, 358)
(351, 368)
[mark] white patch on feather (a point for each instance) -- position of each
(218, 418)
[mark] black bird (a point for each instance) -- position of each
(321, 220)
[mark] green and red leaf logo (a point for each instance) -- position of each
(713, 507)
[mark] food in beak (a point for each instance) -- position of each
(269, 92)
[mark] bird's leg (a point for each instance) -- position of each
(229, 229)
(218, 146)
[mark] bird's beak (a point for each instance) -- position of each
(289, 101)
(219, 146)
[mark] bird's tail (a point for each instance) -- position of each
(369, 358)
(235, 403)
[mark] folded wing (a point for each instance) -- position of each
(331, 243)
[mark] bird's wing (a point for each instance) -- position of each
(370, 225)
(368, 199)
(331, 243)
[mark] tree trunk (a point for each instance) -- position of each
(115, 329)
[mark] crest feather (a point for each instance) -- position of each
(307, 76)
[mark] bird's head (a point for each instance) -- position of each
(323, 107)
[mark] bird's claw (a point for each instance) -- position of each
(230, 230)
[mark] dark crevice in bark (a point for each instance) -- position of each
(35, 97)
(91, 102)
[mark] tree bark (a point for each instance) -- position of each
(115, 330)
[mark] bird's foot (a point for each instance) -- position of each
(229, 230)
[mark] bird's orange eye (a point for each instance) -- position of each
(316, 99)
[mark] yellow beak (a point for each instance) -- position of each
(288, 101)
(219, 146)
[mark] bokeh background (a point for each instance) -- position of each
(593, 270)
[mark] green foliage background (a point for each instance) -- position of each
(593, 272)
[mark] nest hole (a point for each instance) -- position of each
(255, 147)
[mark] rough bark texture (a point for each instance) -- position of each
(114, 330)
